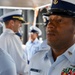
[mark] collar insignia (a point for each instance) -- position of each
(69, 53)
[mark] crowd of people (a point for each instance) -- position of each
(54, 56)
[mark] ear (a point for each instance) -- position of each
(12, 22)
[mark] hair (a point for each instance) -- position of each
(6, 22)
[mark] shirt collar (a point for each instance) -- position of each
(9, 31)
(48, 54)
(35, 41)
(70, 54)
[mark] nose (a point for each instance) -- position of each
(51, 25)
(20, 25)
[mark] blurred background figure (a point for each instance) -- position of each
(7, 64)
(10, 42)
(32, 46)
(1, 27)
(44, 45)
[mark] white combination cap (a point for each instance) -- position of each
(14, 15)
(34, 29)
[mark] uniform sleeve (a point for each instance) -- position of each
(7, 65)
(10, 71)
(25, 51)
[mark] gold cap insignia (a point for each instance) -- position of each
(55, 1)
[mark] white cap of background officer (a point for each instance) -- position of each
(34, 29)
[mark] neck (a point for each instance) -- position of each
(57, 52)
(32, 40)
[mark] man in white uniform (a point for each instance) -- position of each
(10, 42)
(32, 45)
(7, 65)
(60, 31)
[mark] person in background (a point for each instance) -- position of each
(7, 64)
(60, 31)
(11, 43)
(44, 45)
(33, 43)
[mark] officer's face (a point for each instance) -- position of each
(17, 25)
(60, 31)
(33, 36)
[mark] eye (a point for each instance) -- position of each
(59, 20)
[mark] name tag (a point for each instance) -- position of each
(35, 70)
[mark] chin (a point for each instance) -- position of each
(50, 43)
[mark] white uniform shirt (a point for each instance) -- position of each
(7, 65)
(31, 48)
(13, 45)
(43, 64)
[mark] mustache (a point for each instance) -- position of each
(51, 32)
